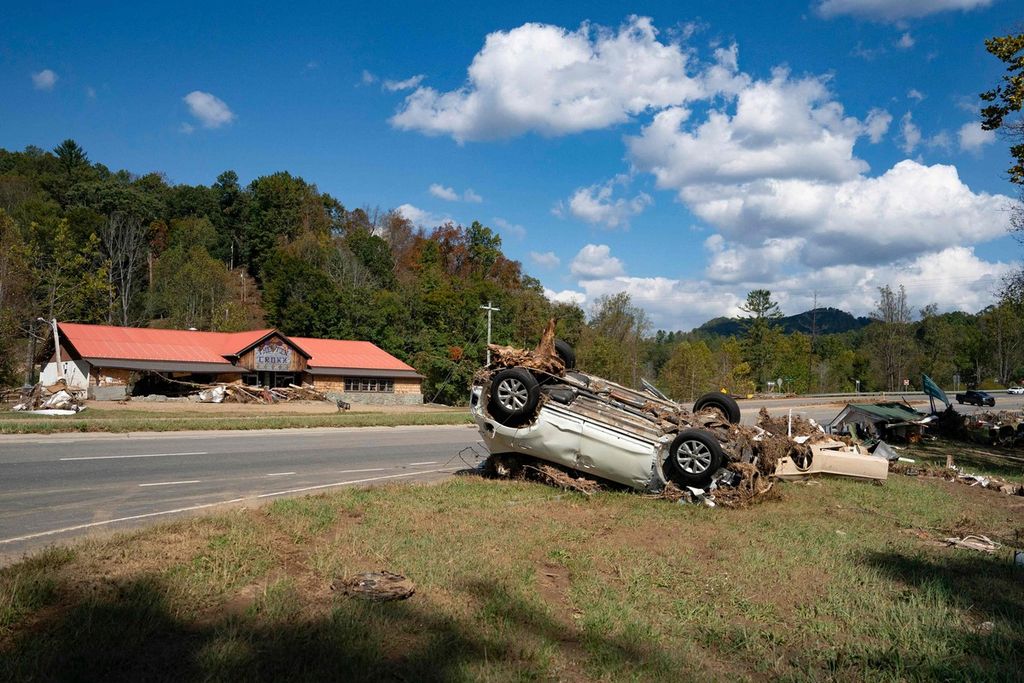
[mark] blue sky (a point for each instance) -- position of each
(685, 154)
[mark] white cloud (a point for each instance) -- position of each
(876, 125)
(910, 133)
(915, 94)
(566, 296)
(549, 80)
(368, 78)
(782, 128)
(507, 228)
(906, 41)
(954, 277)
(894, 10)
(940, 140)
(407, 84)
(211, 111)
(868, 54)
(595, 261)
(548, 259)
(778, 177)
(420, 217)
(44, 80)
(442, 192)
(972, 138)
(595, 204)
(450, 195)
(187, 128)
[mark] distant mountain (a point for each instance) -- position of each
(825, 321)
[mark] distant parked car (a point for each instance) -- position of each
(1015, 390)
(977, 398)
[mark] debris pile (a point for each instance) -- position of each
(544, 358)
(239, 393)
(380, 586)
(957, 474)
(55, 399)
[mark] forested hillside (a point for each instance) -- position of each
(82, 243)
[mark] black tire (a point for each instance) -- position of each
(566, 353)
(515, 394)
(724, 403)
(693, 458)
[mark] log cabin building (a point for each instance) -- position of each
(110, 363)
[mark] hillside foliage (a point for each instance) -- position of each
(82, 243)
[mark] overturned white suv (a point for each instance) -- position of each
(533, 403)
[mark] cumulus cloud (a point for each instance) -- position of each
(910, 133)
(566, 296)
(778, 176)
(972, 138)
(596, 205)
(210, 110)
(915, 94)
(876, 125)
(44, 80)
(553, 81)
(595, 261)
(906, 41)
(547, 259)
(368, 78)
(442, 192)
(782, 128)
(421, 217)
(894, 10)
(407, 84)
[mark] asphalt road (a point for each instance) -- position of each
(57, 487)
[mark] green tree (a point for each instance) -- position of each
(613, 342)
(72, 158)
(1007, 98)
(16, 280)
(761, 335)
(689, 372)
(71, 279)
(890, 337)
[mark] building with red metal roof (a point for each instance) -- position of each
(111, 362)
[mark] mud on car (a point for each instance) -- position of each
(535, 403)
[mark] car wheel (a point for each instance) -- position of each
(514, 396)
(723, 403)
(566, 353)
(693, 458)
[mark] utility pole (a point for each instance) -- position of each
(490, 309)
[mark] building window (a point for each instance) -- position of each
(376, 384)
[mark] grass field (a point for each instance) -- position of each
(163, 421)
(835, 579)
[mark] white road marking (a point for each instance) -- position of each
(371, 469)
(279, 474)
(79, 527)
(417, 464)
(145, 455)
(172, 483)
